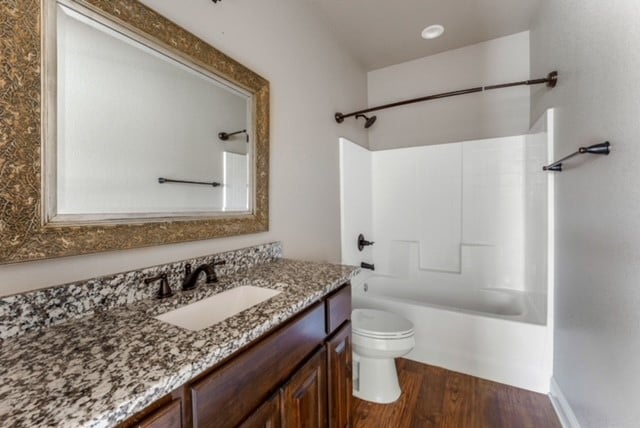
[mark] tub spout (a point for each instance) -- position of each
(364, 265)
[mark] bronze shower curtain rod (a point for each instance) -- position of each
(551, 80)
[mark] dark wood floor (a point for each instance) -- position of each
(435, 397)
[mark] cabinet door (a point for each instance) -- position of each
(304, 397)
(339, 378)
(169, 416)
(267, 415)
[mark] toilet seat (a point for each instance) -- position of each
(380, 324)
(382, 337)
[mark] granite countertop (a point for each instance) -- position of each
(98, 370)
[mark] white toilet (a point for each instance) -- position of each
(378, 337)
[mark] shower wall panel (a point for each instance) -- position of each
(418, 197)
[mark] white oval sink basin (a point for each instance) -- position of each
(212, 310)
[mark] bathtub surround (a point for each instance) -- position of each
(417, 198)
(462, 246)
(467, 117)
(36, 310)
(539, 249)
(455, 213)
(355, 201)
(597, 337)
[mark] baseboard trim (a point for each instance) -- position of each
(561, 405)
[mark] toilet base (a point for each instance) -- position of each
(375, 379)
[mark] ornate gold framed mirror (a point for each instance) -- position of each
(123, 130)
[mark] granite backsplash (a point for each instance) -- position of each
(35, 310)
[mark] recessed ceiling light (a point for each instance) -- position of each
(432, 31)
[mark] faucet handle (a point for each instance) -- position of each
(363, 242)
(213, 276)
(164, 290)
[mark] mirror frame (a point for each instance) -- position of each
(23, 232)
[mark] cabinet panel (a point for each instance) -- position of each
(338, 308)
(267, 415)
(225, 397)
(304, 397)
(339, 378)
(167, 417)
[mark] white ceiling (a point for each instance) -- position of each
(384, 32)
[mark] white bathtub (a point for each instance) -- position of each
(490, 333)
(508, 304)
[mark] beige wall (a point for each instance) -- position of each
(594, 45)
(490, 114)
(311, 77)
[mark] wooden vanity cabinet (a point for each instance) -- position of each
(297, 376)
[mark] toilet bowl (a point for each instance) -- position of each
(378, 337)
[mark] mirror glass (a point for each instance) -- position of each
(140, 132)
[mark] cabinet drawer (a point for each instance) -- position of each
(338, 307)
(225, 397)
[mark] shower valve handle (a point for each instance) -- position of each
(363, 242)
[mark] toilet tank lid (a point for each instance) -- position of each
(380, 322)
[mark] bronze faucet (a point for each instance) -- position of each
(190, 278)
